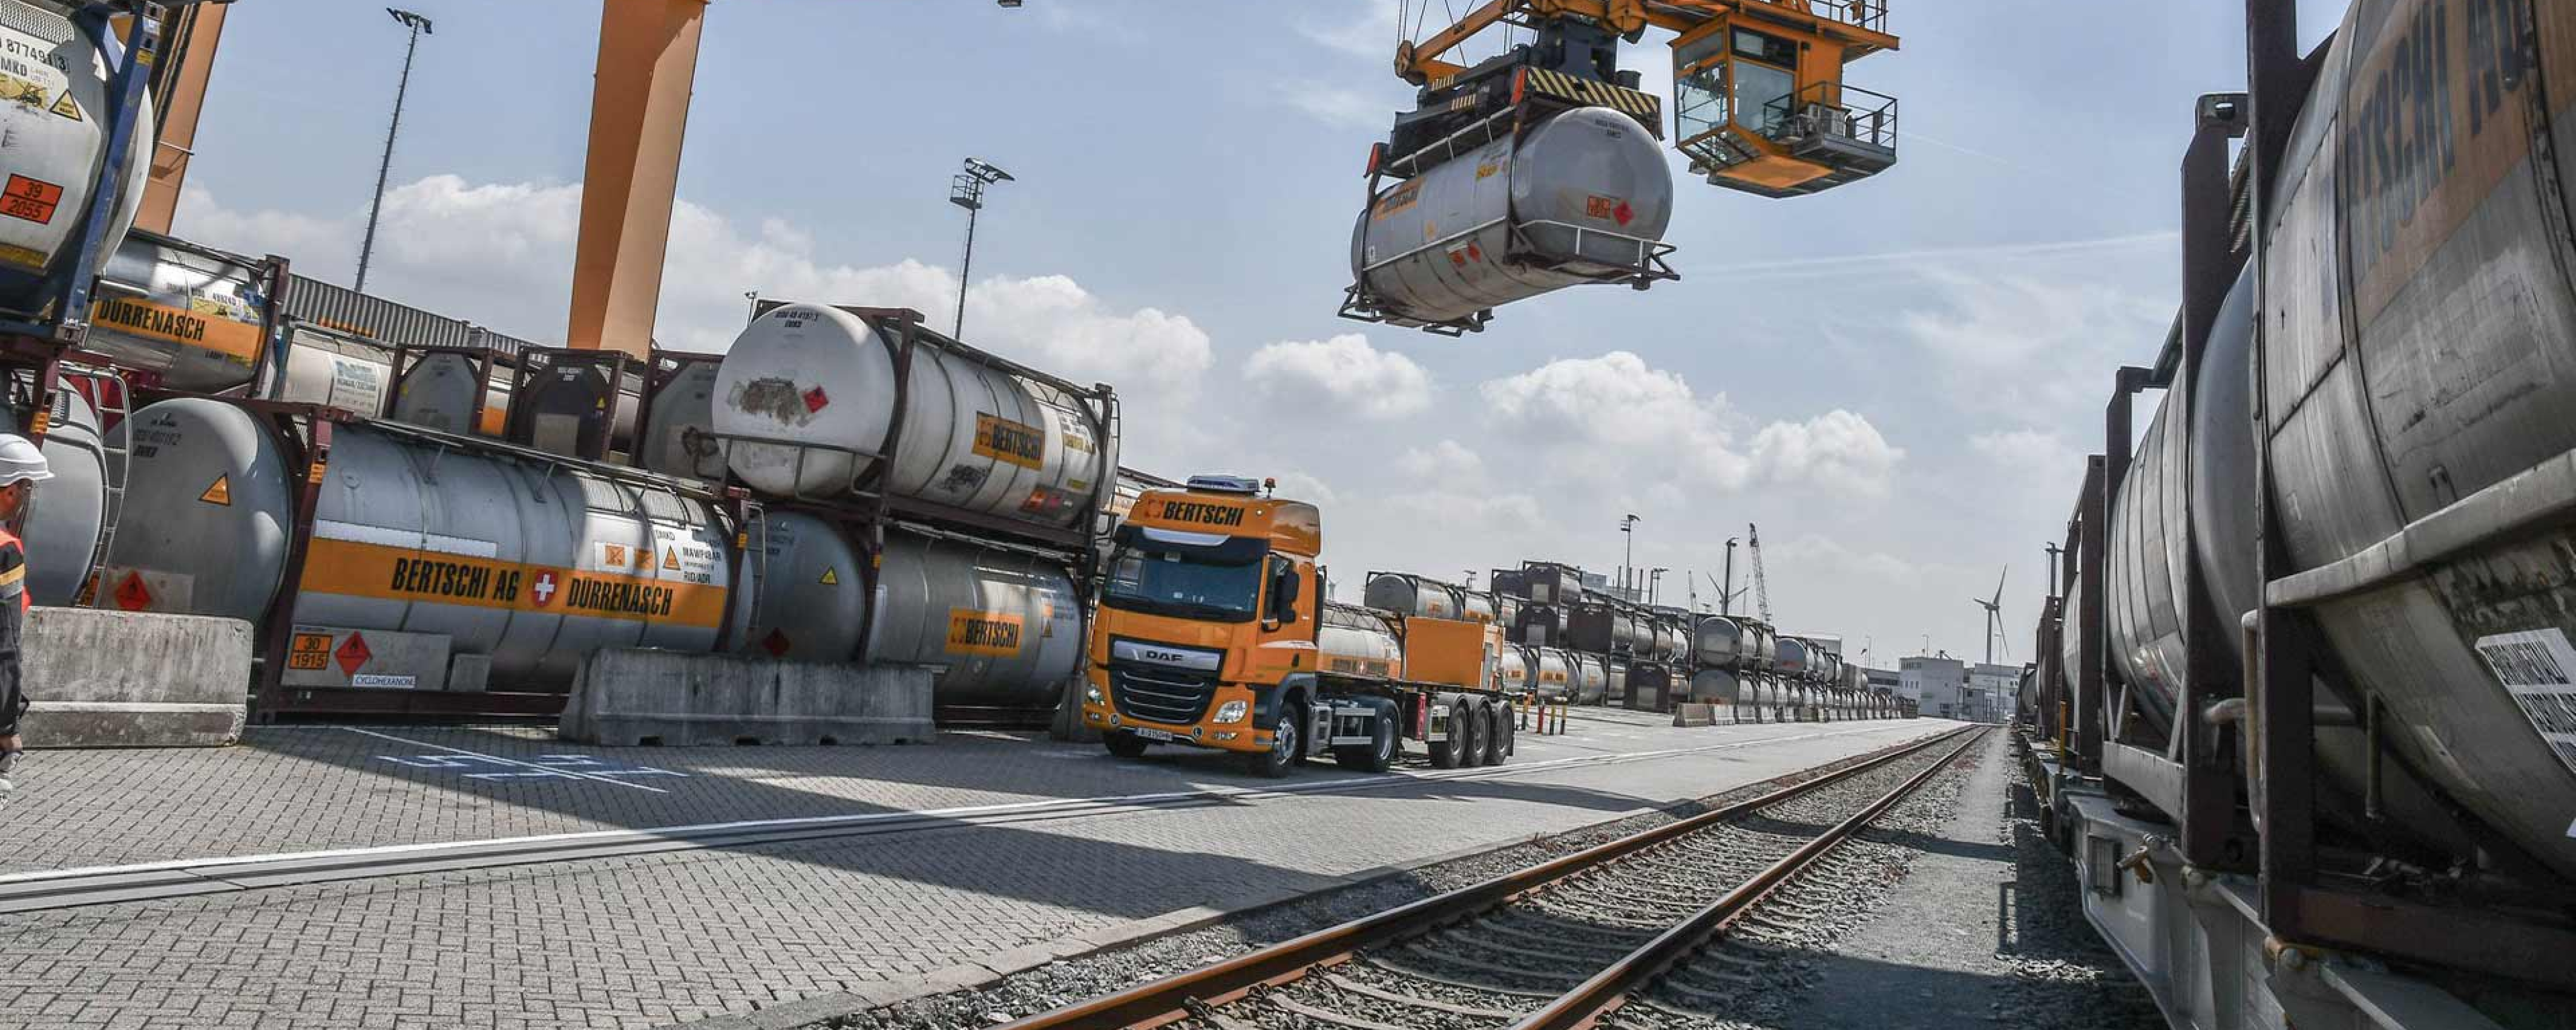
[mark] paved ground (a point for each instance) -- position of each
(644, 940)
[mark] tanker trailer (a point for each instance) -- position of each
(63, 528)
(1582, 197)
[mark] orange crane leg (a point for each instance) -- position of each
(179, 91)
(639, 109)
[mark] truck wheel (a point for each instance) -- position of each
(1498, 734)
(1124, 744)
(1471, 742)
(1287, 745)
(1444, 754)
(1379, 754)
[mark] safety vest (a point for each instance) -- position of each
(13, 570)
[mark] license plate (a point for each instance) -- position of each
(1154, 734)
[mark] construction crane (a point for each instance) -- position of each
(1759, 101)
(1761, 587)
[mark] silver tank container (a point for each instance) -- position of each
(1719, 641)
(440, 392)
(532, 562)
(807, 394)
(328, 368)
(62, 530)
(189, 314)
(57, 136)
(1006, 625)
(1552, 672)
(1407, 594)
(1714, 686)
(1591, 677)
(1615, 683)
(674, 440)
(1476, 606)
(1358, 640)
(1512, 670)
(1792, 661)
(812, 598)
(1577, 199)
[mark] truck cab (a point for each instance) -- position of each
(1211, 632)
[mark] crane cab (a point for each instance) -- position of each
(1759, 102)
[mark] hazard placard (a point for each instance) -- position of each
(311, 651)
(670, 558)
(131, 594)
(219, 493)
(831, 577)
(66, 108)
(31, 199)
(354, 654)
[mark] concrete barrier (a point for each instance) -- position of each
(627, 697)
(1693, 713)
(134, 679)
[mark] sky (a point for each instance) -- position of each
(1896, 380)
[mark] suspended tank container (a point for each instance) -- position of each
(54, 124)
(806, 402)
(1582, 197)
(1714, 686)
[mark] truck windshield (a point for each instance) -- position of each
(1169, 583)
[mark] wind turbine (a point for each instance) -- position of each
(1994, 614)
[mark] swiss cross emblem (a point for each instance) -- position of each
(544, 589)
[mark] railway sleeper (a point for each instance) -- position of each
(1401, 998)
(1563, 981)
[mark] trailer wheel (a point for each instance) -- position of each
(1498, 733)
(1124, 744)
(1287, 745)
(1471, 731)
(1444, 754)
(1379, 754)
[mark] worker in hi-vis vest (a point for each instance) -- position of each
(22, 466)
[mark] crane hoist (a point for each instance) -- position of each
(1759, 101)
(1540, 168)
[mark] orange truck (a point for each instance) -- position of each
(1211, 632)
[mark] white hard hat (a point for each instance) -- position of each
(20, 461)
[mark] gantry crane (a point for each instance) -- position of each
(1759, 102)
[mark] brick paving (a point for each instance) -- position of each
(646, 940)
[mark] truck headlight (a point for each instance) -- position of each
(1091, 695)
(1231, 711)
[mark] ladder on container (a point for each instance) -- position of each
(111, 403)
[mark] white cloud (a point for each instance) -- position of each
(1837, 450)
(1625, 420)
(1344, 372)
(501, 255)
(2024, 449)
(1447, 462)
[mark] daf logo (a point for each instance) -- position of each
(1166, 655)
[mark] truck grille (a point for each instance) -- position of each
(1165, 696)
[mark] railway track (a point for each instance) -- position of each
(1558, 945)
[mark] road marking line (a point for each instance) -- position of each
(549, 770)
(1105, 805)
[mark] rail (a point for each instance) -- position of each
(1177, 997)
